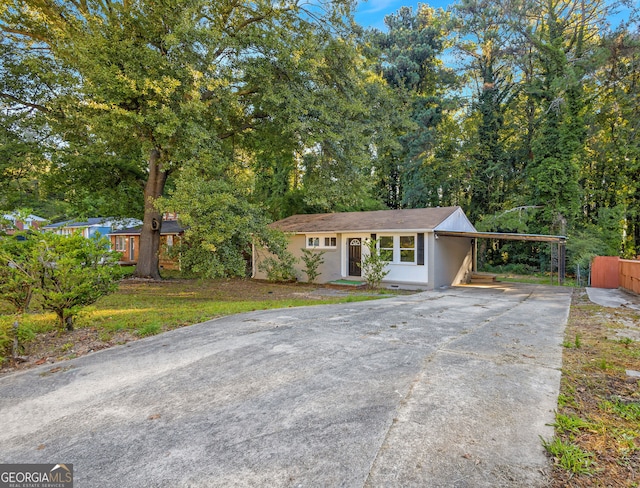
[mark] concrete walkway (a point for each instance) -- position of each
(613, 298)
(450, 389)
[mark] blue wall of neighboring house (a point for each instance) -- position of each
(104, 231)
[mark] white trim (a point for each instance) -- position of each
(344, 252)
(321, 240)
(397, 250)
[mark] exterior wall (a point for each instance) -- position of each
(329, 270)
(453, 261)
(335, 266)
(457, 221)
(167, 262)
(408, 272)
(126, 259)
(103, 231)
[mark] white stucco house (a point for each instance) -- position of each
(418, 255)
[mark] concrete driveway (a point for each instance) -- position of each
(451, 388)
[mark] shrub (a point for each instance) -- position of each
(312, 261)
(279, 268)
(72, 272)
(374, 264)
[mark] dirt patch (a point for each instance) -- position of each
(599, 400)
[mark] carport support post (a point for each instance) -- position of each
(475, 256)
(562, 249)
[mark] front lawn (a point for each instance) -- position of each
(144, 308)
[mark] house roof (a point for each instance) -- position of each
(94, 222)
(168, 227)
(29, 218)
(417, 219)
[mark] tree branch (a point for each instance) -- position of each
(22, 102)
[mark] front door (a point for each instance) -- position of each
(132, 248)
(355, 256)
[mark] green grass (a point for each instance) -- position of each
(571, 424)
(570, 456)
(628, 411)
(148, 308)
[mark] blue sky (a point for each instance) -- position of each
(371, 13)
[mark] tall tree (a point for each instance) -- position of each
(146, 85)
(610, 175)
(410, 61)
(486, 45)
(563, 34)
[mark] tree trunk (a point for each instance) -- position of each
(149, 245)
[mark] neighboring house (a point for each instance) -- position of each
(92, 227)
(419, 256)
(17, 223)
(127, 242)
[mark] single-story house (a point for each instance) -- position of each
(15, 222)
(418, 256)
(127, 242)
(92, 227)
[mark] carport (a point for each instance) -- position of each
(559, 241)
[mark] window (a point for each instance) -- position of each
(322, 241)
(407, 249)
(398, 249)
(121, 243)
(169, 241)
(386, 248)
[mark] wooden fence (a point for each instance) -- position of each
(630, 275)
(613, 272)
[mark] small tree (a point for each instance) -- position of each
(17, 283)
(312, 261)
(374, 264)
(73, 272)
(17, 274)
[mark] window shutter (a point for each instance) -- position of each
(420, 250)
(373, 237)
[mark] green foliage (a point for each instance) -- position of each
(569, 456)
(411, 172)
(133, 92)
(570, 424)
(626, 410)
(72, 272)
(280, 268)
(149, 329)
(16, 331)
(312, 260)
(374, 264)
(18, 275)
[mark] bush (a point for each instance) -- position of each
(73, 272)
(374, 265)
(312, 261)
(18, 276)
(68, 272)
(279, 268)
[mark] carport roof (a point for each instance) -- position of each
(417, 219)
(505, 236)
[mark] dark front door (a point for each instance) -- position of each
(355, 255)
